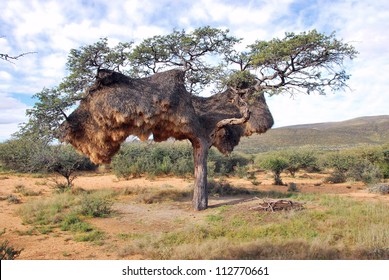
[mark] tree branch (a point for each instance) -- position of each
(243, 108)
(8, 58)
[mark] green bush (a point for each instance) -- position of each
(224, 165)
(96, 205)
(365, 171)
(171, 158)
(276, 163)
(340, 162)
(301, 159)
(34, 155)
(356, 164)
(336, 178)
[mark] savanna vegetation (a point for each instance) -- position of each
(229, 231)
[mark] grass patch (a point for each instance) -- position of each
(331, 227)
(67, 212)
(165, 193)
(94, 236)
(24, 191)
(73, 222)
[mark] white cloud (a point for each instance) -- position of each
(12, 112)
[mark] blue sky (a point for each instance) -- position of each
(52, 28)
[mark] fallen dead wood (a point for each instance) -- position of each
(278, 205)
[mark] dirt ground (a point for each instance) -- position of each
(130, 217)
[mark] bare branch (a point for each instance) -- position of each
(8, 57)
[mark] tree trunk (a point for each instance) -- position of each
(200, 193)
(277, 179)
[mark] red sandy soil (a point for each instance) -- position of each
(131, 217)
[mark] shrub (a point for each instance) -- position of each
(34, 155)
(135, 159)
(379, 188)
(8, 252)
(13, 199)
(61, 187)
(300, 159)
(224, 165)
(276, 163)
(221, 188)
(336, 178)
(292, 187)
(96, 206)
(340, 162)
(73, 223)
(365, 171)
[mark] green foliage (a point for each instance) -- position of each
(96, 206)
(189, 50)
(241, 80)
(276, 163)
(309, 62)
(67, 212)
(33, 155)
(65, 161)
(357, 164)
(340, 162)
(224, 165)
(300, 159)
(8, 252)
(136, 159)
(50, 109)
(74, 223)
(22, 155)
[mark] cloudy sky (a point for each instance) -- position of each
(52, 28)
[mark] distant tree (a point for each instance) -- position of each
(276, 163)
(307, 62)
(300, 159)
(64, 161)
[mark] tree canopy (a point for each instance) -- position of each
(309, 62)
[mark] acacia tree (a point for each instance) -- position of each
(158, 101)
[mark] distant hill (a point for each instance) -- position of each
(358, 131)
